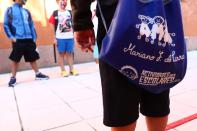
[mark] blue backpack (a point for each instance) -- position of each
(145, 42)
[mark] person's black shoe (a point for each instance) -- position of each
(41, 76)
(12, 82)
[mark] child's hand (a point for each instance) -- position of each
(55, 42)
(13, 40)
(37, 50)
(84, 39)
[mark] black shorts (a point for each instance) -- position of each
(122, 101)
(26, 48)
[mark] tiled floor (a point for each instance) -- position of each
(75, 103)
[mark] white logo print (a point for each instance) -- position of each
(144, 28)
(129, 71)
(159, 28)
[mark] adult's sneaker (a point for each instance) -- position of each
(12, 82)
(41, 76)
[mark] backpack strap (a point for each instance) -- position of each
(10, 16)
(70, 13)
(30, 20)
(55, 15)
(102, 16)
(29, 15)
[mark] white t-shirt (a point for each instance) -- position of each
(64, 27)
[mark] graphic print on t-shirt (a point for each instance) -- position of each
(64, 23)
(64, 28)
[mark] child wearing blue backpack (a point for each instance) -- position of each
(19, 28)
(122, 100)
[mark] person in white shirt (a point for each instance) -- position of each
(62, 22)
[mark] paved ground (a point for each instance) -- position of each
(75, 103)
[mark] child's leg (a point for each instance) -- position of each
(61, 61)
(64, 73)
(61, 45)
(130, 127)
(96, 54)
(14, 68)
(69, 57)
(61, 52)
(70, 53)
(156, 123)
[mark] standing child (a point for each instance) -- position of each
(121, 99)
(19, 28)
(96, 53)
(95, 22)
(62, 22)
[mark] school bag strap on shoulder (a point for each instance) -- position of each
(55, 15)
(10, 17)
